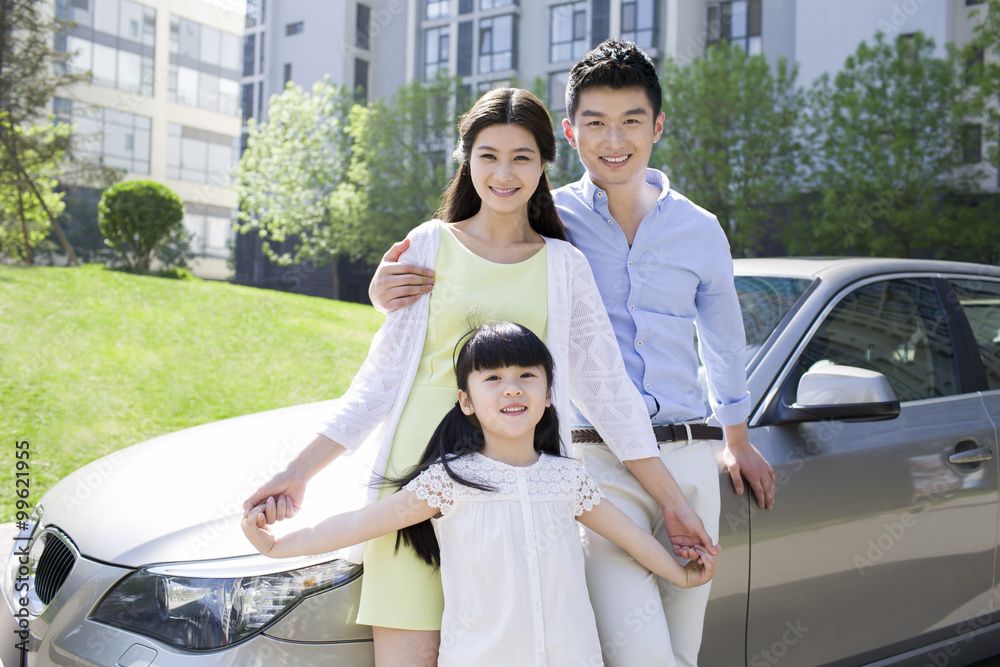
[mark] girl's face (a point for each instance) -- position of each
(505, 166)
(508, 402)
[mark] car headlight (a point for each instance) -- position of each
(205, 606)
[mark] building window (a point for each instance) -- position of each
(737, 22)
(118, 139)
(557, 90)
(294, 28)
(114, 39)
(497, 44)
(974, 65)
(466, 6)
(247, 103)
(436, 42)
(212, 228)
(199, 156)
(600, 21)
(436, 9)
(288, 73)
(465, 48)
(972, 144)
(567, 32)
(261, 52)
(361, 80)
(205, 66)
(974, 2)
(362, 27)
(260, 100)
(493, 4)
(639, 22)
(248, 48)
(253, 13)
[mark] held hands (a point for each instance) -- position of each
(687, 533)
(395, 285)
(279, 499)
(699, 570)
(257, 531)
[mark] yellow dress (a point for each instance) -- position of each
(399, 590)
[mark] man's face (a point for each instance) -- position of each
(614, 132)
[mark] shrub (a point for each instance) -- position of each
(141, 220)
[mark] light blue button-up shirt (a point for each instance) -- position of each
(678, 272)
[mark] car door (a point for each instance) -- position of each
(882, 539)
(979, 301)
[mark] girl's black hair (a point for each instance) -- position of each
(489, 346)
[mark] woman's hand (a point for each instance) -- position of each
(279, 499)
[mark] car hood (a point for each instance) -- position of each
(179, 497)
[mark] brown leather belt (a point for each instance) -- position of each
(665, 433)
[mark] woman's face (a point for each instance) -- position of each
(505, 166)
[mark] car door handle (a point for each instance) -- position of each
(972, 456)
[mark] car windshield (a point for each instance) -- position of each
(764, 301)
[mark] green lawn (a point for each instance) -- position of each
(93, 360)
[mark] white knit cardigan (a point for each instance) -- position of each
(588, 366)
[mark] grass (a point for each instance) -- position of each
(93, 360)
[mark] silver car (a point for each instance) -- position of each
(877, 389)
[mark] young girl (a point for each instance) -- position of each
(502, 502)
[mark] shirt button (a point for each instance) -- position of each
(631, 307)
(639, 343)
(647, 386)
(630, 263)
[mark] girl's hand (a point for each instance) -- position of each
(257, 530)
(699, 570)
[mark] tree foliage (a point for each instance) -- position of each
(730, 141)
(140, 219)
(288, 173)
(887, 163)
(983, 53)
(25, 223)
(399, 164)
(31, 71)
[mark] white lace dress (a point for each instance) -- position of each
(512, 563)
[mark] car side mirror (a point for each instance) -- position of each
(844, 393)
(832, 392)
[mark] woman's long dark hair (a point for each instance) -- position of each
(504, 106)
(489, 346)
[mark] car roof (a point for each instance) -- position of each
(841, 269)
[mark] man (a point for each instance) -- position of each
(662, 264)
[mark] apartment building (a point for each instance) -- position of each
(163, 104)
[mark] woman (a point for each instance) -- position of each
(497, 252)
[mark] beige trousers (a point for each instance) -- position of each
(641, 619)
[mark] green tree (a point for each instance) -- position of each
(26, 212)
(983, 54)
(288, 173)
(399, 164)
(31, 71)
(730, 138)
(140, 220)
(888, 169)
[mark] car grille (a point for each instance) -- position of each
(54, 565)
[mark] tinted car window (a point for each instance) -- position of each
(895, 327)
(764, 300)
(981, 302)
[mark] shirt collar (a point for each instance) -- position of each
(653, 177)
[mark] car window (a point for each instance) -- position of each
(895, 327)
(981, 302)
(764, 300)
